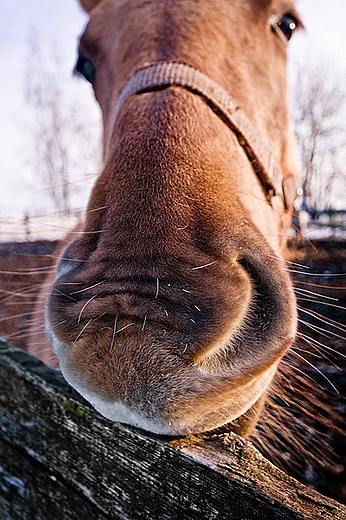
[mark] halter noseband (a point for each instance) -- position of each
(164, 74)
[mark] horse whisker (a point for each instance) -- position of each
(84, 307)
(114, 331)
(324, 304)
(204, 266)
(318, 295)
(315, 368)
(83, 329)
(326, 333)
(323, 319)
(87, 288)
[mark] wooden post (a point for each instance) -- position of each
(59, 459)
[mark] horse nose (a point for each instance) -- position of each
(273, 307)
(152, 348)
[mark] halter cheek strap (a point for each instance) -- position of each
(164, 74)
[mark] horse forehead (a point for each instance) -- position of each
(150, 13)
(143, 7)
(167, 30)
(125, 35)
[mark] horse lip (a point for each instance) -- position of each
(202, 414)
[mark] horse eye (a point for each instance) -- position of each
(86, 68)
(287, 25)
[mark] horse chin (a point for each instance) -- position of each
(204, 401)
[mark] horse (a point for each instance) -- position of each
(171, 306)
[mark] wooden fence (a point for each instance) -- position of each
(59, 459)
(48, 226)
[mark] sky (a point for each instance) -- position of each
(59, 23)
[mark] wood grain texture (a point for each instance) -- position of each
(60, 459)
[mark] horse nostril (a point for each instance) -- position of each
(267, 305)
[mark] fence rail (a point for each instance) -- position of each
(59, 459)
(56, 226)
(40, 227)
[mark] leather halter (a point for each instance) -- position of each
(161, 75)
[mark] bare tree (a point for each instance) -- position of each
(319, 113)
(62, 139)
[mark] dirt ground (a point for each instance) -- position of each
(302, 429)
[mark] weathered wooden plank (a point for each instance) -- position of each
(28, 490)
(58, 453)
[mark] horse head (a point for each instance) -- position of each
(171, 306)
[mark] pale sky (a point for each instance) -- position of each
(59, 22)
